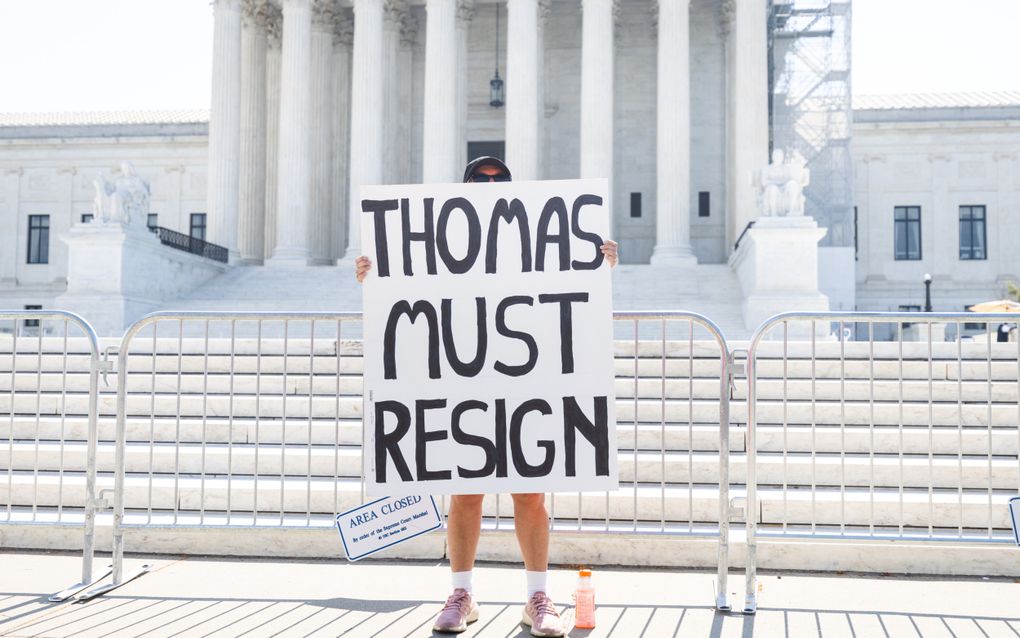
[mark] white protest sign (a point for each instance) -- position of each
(488, 338)
(374, 526)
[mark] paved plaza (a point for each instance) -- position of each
(190, 596)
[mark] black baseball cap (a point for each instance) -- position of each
(485, 160)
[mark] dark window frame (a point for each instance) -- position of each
(635, 205)
(911, 216)
(32, 323)
(38, 239)
(152, 221)
(87, 218)
(909, 308)
(970, 252)
(197, 222)
(704, 204)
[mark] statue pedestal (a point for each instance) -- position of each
(777, 266)
(117, 273)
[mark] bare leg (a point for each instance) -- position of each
(463, 527)
(531, 522)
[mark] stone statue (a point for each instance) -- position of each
(781, 186)
(123, 200)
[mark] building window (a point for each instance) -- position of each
(907, 324)
(972, 325)
(152, 221)
(907, 232)
(703, 207)
(635, 204)
(972, 233)
(197, 226)
(86, 218)
(32, 323)
(495, 148)
(38, 239)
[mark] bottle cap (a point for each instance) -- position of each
(585, 572)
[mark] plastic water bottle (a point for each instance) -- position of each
(584, 601)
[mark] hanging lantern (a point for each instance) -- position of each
(496, 91)
(496, 84)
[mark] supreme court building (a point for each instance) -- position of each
(313, 98)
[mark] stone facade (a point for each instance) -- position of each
(938, 157)
(49, 169)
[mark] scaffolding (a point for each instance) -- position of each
(810, 107)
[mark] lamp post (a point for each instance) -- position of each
(927, 292)
(496, 83)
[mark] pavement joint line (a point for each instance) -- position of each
(57, 608)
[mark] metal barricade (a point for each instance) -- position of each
(252, 419)
(877, 426)
(49, 389)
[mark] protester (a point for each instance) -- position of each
(464, 523)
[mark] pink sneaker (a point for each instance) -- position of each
(540, 614)
(459, 611)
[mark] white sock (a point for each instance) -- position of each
(462, 580)
(536, 582)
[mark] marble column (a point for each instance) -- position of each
(465, 13)
(388, 63)
(544, 9)
(522, 89)
(225, 125)
(673, 137)
(274, 25)
(366, 116)
(403, 79)
(323, 113)
(748, 109)
(343, 37)
(251, 199)
(597, 90)
(439, 140)
(294, 165)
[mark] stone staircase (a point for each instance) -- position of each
(847, 439)
(712, 290)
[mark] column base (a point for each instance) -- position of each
(288, 258)
(673, 256)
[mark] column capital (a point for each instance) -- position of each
(465, 11)
(324, 13)
(727, 12)
(544, 9)
(343, 29)
(226, 5)
(393, 12)
(274, 27)
(408, 29)
(257, 13)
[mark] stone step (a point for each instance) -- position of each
(671, 437)
(700, 388)
(824, 506)
(647, 410)
(671, 467)
(325, 361)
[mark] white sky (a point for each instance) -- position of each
(74, 55)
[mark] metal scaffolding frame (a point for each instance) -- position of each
(810, 107)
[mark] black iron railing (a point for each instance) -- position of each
(190, 244)
(742, 233)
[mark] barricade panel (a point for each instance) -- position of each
(881, 426)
